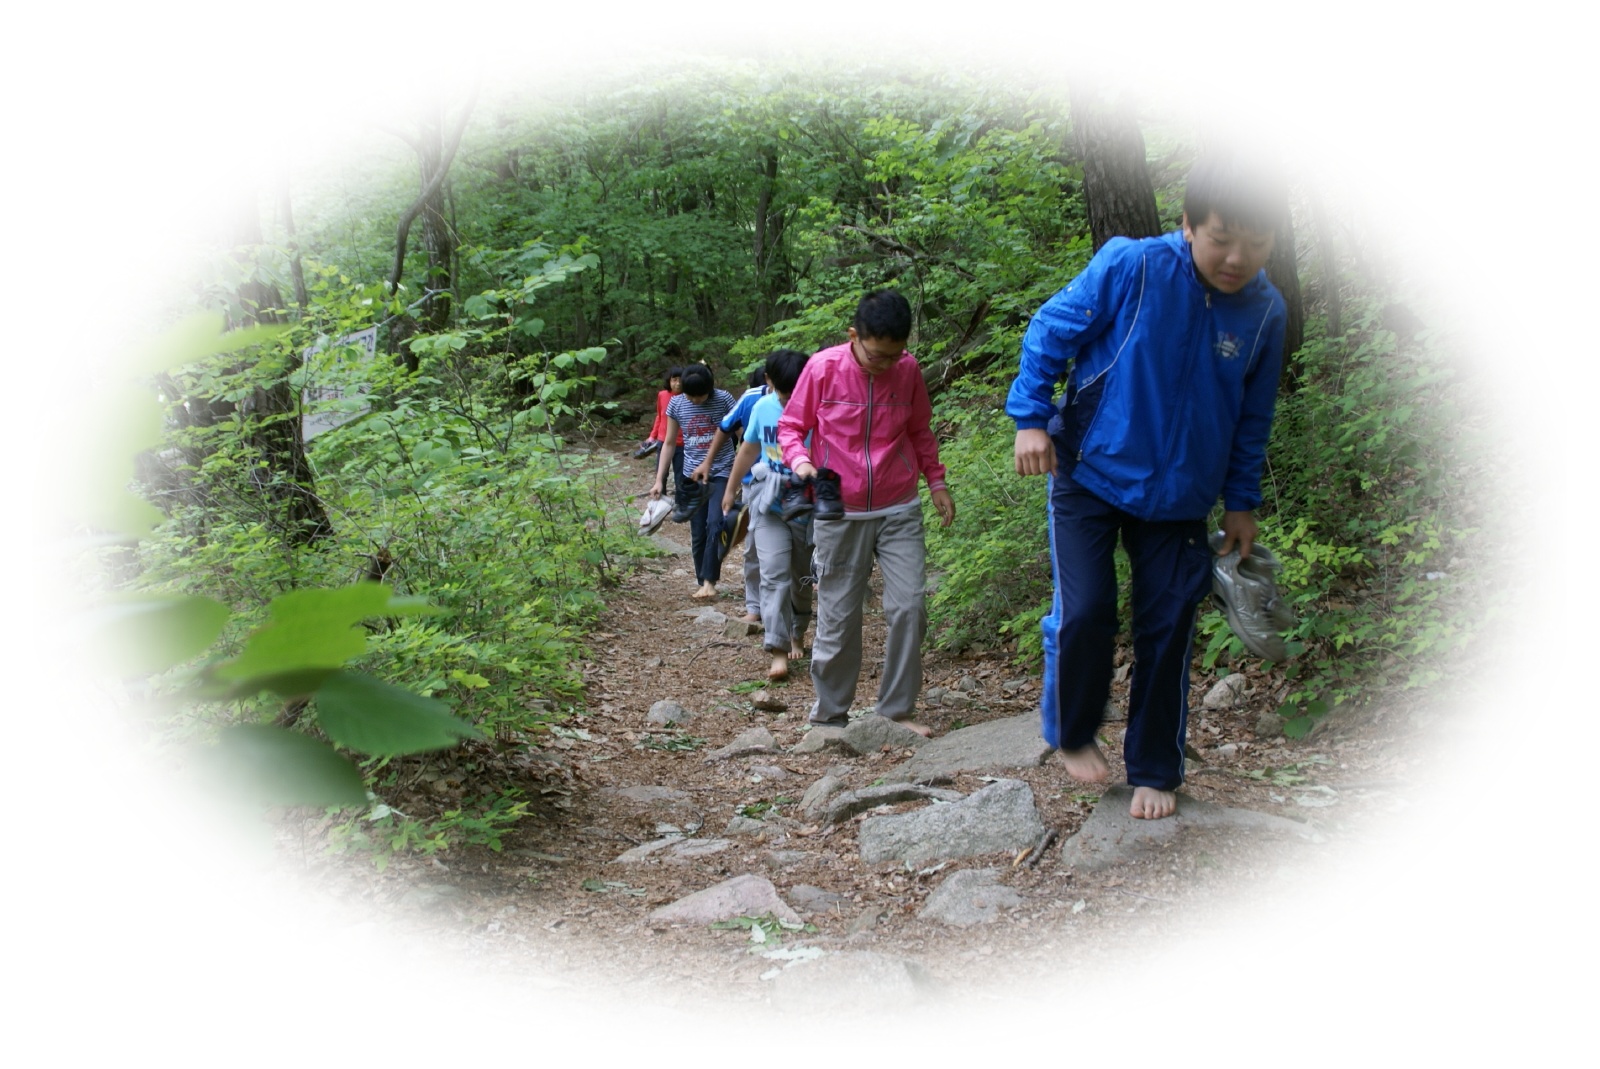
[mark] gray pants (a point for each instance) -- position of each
(785, 555)
(843, 559)
(752, 572)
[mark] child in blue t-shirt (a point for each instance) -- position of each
(733, 428)
(782, 547)
(696, 412)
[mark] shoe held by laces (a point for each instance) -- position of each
(794, 497)
(735, 525)
(646, 447)
(655, 514)
(1248, 591)
(827, 494)
(686, 498)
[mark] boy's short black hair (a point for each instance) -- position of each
(697, 380)
(758, 376)
(883, 314)
(1243, 190)
(783, 368)
(673, 372)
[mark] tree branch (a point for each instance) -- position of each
(403, 231)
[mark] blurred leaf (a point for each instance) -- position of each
(275, 766)
(373, 717)
(310, 629)
(143, 635)
(297, 684)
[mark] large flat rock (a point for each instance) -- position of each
(842, 807)
(750, 741)
(742, 896)
(1111, 837)
(972, 896)
(1000, 817)
(855, 982)
(993, 746)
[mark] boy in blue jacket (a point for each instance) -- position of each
(1171, 348)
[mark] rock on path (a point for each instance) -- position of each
(974, 896)
(750, 741)
(842, 807)
(864, 735)
(1012, 742)
(742, 896)
(1111, 837)
(1000, 817)
(859, 982)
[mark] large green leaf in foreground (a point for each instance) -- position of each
(313, 629)
(373, 717)
(276, 766)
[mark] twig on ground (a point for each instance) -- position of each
(1033, 858)
(1147, 898)
(710, 645)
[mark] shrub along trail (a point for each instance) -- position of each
(556, 904)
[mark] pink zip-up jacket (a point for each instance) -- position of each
(875, 432)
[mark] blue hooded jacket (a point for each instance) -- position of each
(1172, 384)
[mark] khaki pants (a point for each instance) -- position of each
(845, 550)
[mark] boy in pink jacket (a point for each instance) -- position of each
(866, 408)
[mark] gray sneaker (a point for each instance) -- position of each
(1248, 591)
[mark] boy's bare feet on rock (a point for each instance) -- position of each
(780, 667)
(1087, 765)
(921, 729)
(1151, 804)
(705, 592)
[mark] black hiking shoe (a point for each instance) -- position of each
(825, 491)
(794, 497)
(685, 499)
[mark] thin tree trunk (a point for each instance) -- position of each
(1282, 272)
(435, 153)
(1116, 184)
(297, 271)
(282, 475)
(1329, 265)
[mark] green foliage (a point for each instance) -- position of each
(704, 213)
(763, 929)
(993, 564)
(383, 833)
(674, 741)
(1368, 506)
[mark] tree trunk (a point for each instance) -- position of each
(1116, 185)
(1329, 266)
(765, 242)
(281, 473)
(297, 271)
(438, 237)
(435, 152)
(1283, 273)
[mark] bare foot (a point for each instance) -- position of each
(1151, 804)
(705, 592)
(797, 650)
(1087, 765)
(751, 618)
(921, 729)
(780, 668)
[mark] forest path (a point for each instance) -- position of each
(557, 903)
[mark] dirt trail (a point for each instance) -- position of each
(555, 904)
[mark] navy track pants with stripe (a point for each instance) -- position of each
(1171, 565)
